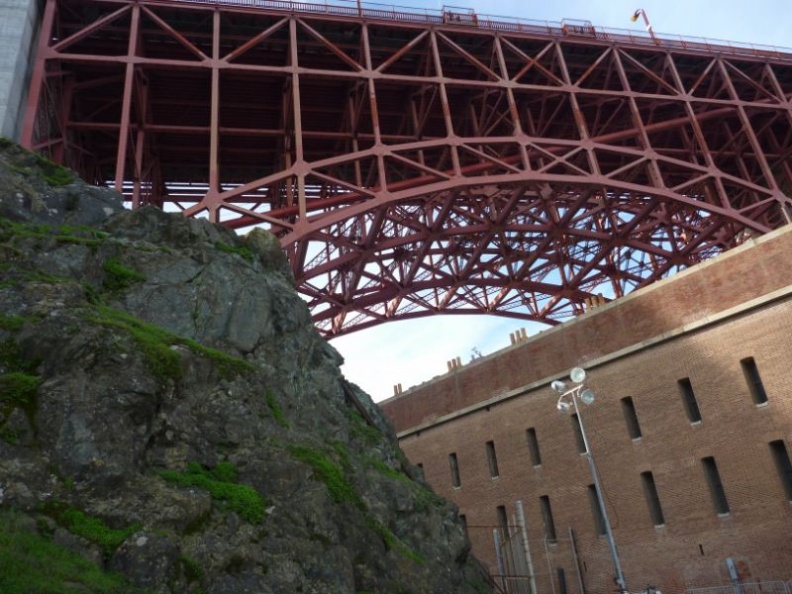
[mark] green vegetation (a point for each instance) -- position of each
(192, 569)
(118, 276)
(11, 323)
(164, 362)
(33, 564)
(276, 410)
(18, 387)
(220, 482)
(76, 234)
(392, 542)
(154, 342)
(56, 175)
(94, 529)
(10, 436)
(241, 251)
(363, 431)
(329, 473)
(19, 384)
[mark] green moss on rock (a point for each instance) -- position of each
(221, 484)
(18, 387)
(329, 473)
(118, 276)
(156, 343)
(32, 563)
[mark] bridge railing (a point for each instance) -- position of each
(428, 16)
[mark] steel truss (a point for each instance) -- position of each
(412, 168)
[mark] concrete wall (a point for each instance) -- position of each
(698, 325)
(18, 30)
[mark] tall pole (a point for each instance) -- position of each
(600, 500)
(642, 13)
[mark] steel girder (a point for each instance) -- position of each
(412, 168)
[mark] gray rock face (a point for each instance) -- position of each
(168, 411)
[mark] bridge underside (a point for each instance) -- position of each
(421, 164)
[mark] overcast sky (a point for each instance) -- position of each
(415, 351)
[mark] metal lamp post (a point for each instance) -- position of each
(566, 402)
(642, 13)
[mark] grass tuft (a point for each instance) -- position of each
(118, 276)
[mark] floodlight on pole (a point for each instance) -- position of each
(566, 402)
(642, 13)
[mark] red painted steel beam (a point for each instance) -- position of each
(408, 169)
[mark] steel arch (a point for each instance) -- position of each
(420, 163)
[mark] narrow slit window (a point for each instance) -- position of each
(463, 520)
(503, 520)
(581, 443)
(631, 417)
(783, 465)
(652, 498)
(689, 400)
(718, 493)
(562, 582)
(596, 512)
(452, 461)
(754, 380)
(533, 446)
(547, 517)
(492, 459)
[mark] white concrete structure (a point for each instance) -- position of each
(18, 31)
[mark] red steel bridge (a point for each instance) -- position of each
(416, 162)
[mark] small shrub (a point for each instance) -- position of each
(242, 499)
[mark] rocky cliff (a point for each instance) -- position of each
(170, 421)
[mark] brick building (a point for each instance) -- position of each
(691, 432)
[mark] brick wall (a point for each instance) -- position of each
(698, 325)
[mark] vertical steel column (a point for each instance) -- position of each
(60, 152)
(513, 111)
(446, 107)
(374, 108)
(140, 141)
(298, 138)
(39, 73)
(749, 132)
(129, 79)
(214, 131)
(578, 115)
